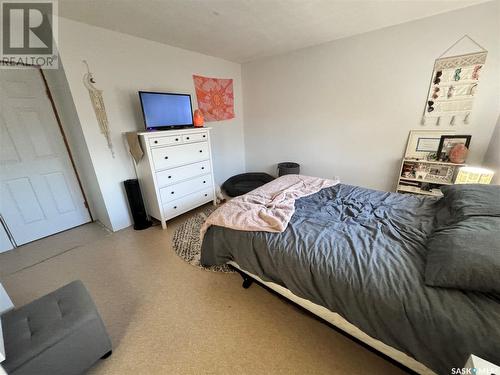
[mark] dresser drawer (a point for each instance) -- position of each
(174, 156)
(165, 141)
(178, 206)
(195, 137)
(169, 193)
(174, 175)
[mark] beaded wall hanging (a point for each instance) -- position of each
(453, 87)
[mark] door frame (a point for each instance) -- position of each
(61, 130)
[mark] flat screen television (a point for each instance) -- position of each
(166, 110)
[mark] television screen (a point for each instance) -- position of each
(164, 110)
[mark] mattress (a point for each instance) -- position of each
(344, 325)
(360, 253)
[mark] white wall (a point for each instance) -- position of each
(344, 108)
(122, 65)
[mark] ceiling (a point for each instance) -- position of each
(246, 30)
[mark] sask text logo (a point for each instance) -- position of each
(28, 31)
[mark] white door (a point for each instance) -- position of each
(39, 191)
(5, 243)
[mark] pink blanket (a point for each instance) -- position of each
(268, 208)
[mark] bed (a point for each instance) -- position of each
(356, 258)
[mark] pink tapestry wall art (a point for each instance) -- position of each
(215, 97)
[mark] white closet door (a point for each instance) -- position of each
(39, 192)
(5, 243)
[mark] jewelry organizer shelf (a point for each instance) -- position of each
(432, 162)
(425, 177)
(426, 181)
(408, 189)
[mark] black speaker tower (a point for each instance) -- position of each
(136, 204)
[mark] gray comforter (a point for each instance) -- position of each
(361, 253)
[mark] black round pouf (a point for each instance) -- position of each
(245, 182)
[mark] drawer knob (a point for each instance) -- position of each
(204, 182)
(204, 136)
(202, 167)
(156, 141)
(187, 137)
(171, 192)
(166, 157)
(201, 150)
(176, 139)
(169, 176)
(206, 195)
(175, 207)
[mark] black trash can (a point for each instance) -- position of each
(288, 167)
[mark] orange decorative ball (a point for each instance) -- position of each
(198, 118)
(458, 153)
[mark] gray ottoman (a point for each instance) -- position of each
(60, 333)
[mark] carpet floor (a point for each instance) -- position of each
(165, 316)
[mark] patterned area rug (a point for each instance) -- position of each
(187, 243)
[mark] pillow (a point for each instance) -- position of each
(472, 200)
(465, 255)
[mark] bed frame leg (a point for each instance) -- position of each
(247, 281)
(108, 354)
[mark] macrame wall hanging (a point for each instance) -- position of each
(453, 86)
(98, 103)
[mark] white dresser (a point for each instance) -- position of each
(176, 173)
